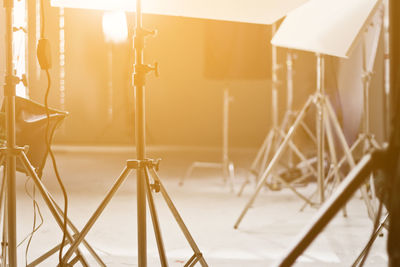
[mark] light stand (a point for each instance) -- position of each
(304, 30)
(146, 170)
(354, 180)
(227, 167)
(11, 152)
(326, 119)
(9, 94)
(276, 134)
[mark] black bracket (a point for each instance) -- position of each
(139, 164)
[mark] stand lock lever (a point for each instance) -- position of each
(147, 68)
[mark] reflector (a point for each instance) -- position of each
(250, 11)
(329, 27)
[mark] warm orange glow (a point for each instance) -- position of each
(127, 5)
(114, 26)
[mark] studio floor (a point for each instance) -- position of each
(207, 206)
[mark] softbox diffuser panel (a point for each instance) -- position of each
(329, 27)
(248, 11)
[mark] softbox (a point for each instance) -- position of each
(30, 125)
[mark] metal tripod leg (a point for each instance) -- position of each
(300, 155)
(275, 159)
(154, 218)
(348, 154)
(328, 210)
(199, 164)
(371, 241)
(197, 254)
(332, 151)
(76, 231)
(262, 154)
(35, 178)
(3, 214)
(96, 214)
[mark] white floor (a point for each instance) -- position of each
(208, 208)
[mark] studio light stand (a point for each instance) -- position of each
(354, 180)
(277, 133)
(226, 165)
(146, 171)
(11, 153)
(316, 34)
(326, 118)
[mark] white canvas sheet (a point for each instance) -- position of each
(329, 27)
(249, 11)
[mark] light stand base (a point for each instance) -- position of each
(55, 210)
(153, 184)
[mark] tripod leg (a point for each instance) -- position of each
(301, 156)
(96, 214)
(274, 160)
(76, 232)
(35, 178)
(256, 162)
(349, 156)
(340, 164)
(188, 173)
(370, 242)
(154, 218)
(261, 151)
(332, 151)
(308, 132)
(266, 154)
(46, 255)
(329, 209)
(4, 241)
(179, 219)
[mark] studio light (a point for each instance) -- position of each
(115, 28)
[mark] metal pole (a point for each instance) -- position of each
(139, 82)
(275, 67)
(225, 129)
(9, 93)
(289, 80)
(320, 125)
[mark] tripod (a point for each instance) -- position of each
(326, 119)
(227, 166)
(354, 180)
(10, 153)
(146, 171)
(276, 134)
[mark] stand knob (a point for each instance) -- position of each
(155, 69)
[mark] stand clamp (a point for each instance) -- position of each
(367, 76)
(14, 151)
(147, 164)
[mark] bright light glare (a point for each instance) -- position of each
(114, 26)
(127, 5)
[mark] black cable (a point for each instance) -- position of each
(53, 159)
(44, 57)
(36, 209)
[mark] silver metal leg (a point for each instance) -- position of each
(154, 218)
(225, 164)
(333, 156)
(349, 156)
(179, 220)
(96, 214)
(30, 170)
(274, 160)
